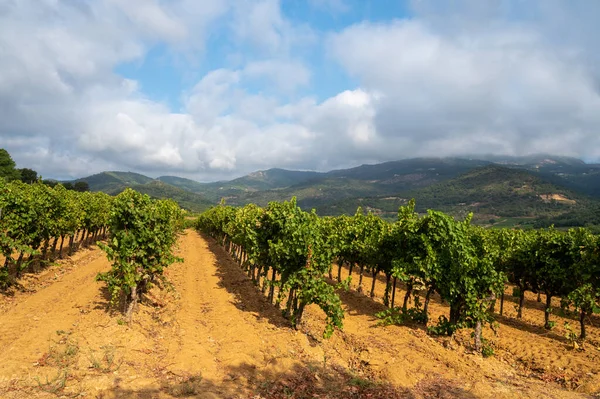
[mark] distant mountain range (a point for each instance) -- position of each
(539, 189)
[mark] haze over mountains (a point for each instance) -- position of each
(534, 189)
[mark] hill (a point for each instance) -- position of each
(273, 179)
(314, 188)
(387, 178)
(532, 189)
(496, 194)
(115, 182)
(183, 183)
(187, 200)
(565, 171)
(410, 172)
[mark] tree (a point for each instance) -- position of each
(81, 186)
(468, 280)
(28, 175)
(584, 277)
(415, 262)
(295, 245)
(143, 234)
(7, 166)
(50, 183)
(553, 261)
(520, 264)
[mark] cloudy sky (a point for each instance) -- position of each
(215, 89)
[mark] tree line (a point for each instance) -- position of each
(9, 172)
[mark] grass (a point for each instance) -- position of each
(108, 362)
(62, 354)
(55, 384)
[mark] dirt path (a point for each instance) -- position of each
(226, 330)
(212, 334)
(212, 322)
(26, 328)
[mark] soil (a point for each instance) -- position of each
(210, 333)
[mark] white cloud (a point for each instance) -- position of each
(261, 24)
(473, 81)
(503, 90)
(61, 100)
(152, 19)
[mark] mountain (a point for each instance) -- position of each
(115, 182)
(186, 199)
(532, 189)
(410, 172)
(496, 194)
(315, 187)
(319, 189)
(567, 171)
(272, 179)
(534, 160)
(183, 183)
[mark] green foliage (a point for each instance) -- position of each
(399, 316)
(294, 244)
(81, 186)
(466, 265)
(570, 335)
(451, 257)
(392, 316)
(34, 215)
(7, 166)
(443, 327)
(143, 233)
(28, 175)
(487, 349)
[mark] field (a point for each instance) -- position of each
(211, 334)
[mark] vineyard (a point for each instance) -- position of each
(281, 302)
(34, 218)
(281, 247)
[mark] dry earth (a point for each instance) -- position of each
(210, 333)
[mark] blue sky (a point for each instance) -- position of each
(163, 78)
(219, 88)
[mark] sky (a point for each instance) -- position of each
(215, 89)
